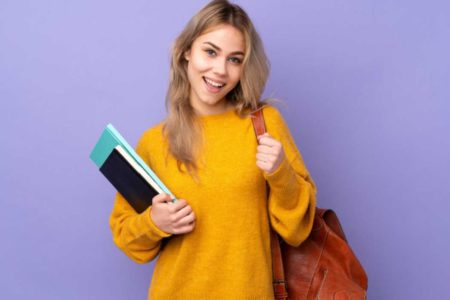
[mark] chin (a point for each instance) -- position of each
(212, 101)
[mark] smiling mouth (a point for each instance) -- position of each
(214, 84)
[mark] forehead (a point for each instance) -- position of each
(226, 37)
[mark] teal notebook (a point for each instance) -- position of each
(109, 139)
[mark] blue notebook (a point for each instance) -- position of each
(125, 169)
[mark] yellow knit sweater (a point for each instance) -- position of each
(227, 256)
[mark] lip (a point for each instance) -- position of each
(212, 89)
(216, 81)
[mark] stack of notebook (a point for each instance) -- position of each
(126, 171)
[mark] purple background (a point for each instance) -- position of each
(366, 90)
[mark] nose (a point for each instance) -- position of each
(220, 67)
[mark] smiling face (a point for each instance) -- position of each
(214, 68)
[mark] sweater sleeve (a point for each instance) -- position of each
(292, 198)
(135, 234)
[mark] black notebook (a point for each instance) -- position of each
(130, 181)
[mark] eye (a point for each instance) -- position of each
(210, 52)
(235, 60)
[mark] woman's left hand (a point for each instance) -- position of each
(269, 153)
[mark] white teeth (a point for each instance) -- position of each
(213, 83)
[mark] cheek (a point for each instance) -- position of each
(198, 64)
(235, 76)
(194, 71)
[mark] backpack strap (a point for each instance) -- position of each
(279, 282)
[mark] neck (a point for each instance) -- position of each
(220, 108)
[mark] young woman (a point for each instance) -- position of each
(217, 234)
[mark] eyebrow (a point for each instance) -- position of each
(218, 49)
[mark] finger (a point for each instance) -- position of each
(262, 165)
(176, 206)
(266, 149)
(184, 229)
(160, 198)
(263, 135)
(269, 141)
(185, 220)
(182, 213)
(267, 138)
(265, 158)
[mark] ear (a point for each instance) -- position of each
(187, 55)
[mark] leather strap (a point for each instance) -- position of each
(279, 282)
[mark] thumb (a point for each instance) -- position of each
(263, 135)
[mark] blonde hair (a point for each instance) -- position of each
(181, 128)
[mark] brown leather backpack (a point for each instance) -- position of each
(323, 266)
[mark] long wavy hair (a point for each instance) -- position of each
(181, 128)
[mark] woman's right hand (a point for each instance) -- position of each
(174, 218)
